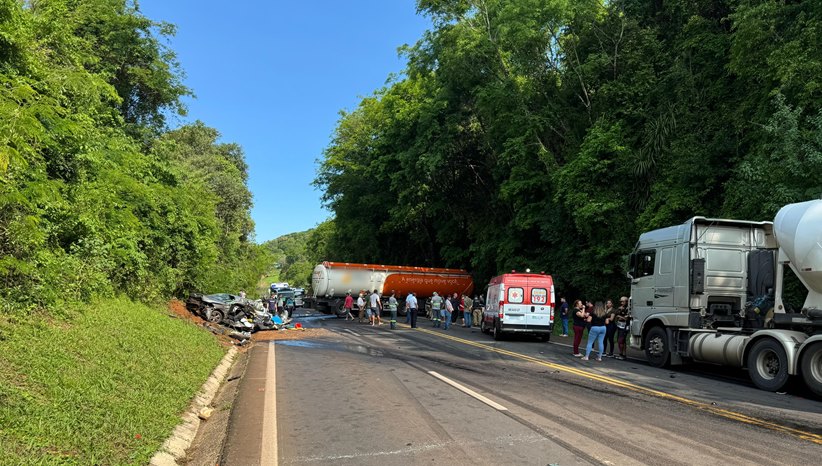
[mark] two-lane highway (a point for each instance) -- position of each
(370, 395)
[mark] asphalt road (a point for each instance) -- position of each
(370, 395)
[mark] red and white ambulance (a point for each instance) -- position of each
(519, 302)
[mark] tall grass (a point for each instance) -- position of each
(106, 386)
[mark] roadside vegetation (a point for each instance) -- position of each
(97, 195)
(103, 207)
(104, 385)
(549, 135)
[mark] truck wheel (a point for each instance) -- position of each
(768, 365)
(657, 347)
(812, 367)
(497, 331)
(339, 311)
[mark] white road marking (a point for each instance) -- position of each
(268, 453)
(504, 440)
(352, 332)
(469, 392)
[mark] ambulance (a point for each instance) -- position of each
(519, 303)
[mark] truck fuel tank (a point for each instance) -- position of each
(717, 348)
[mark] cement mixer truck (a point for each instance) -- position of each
(332, 280)
(711, 290)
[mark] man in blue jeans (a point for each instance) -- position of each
(446, 313)
(563, 315)
(468, 305)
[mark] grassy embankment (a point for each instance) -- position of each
(104, 386)
(266, 281)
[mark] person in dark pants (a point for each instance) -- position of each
(411, 308)
(564, 314)
(623, 319)
(610, 328)
(580, 317)
(455, 303)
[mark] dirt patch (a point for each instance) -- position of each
(290, 334)
(178, 309)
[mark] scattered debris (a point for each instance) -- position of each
(205, 413)
(291, 334)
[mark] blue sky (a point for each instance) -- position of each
(272, 76)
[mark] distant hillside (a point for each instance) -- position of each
(296, 254)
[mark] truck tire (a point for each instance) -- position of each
(812, 368)
(768, 365)
(339, 310)
(483, 327)
(497, 331)
(657, 347)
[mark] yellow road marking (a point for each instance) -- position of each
(810, 436)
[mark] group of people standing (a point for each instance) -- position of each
(603, 321)
(276, 305)
(441, 311)
(373, 311)
(445, 311)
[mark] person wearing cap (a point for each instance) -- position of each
(436, 306)
(623, 320)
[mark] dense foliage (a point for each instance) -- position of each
(296, 254)
(549, 133)
(97, 196)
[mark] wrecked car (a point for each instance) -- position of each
(217, 308)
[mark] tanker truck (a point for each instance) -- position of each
(332, 280)
(711, 290)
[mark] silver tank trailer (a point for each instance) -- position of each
(798, 230)
(335, 282)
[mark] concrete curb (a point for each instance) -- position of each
(174, 448)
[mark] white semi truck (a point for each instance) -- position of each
(711, 290)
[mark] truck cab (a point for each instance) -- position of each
(519, 303)
(710, 290)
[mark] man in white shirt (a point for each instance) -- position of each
(361, 305)
(375, 309)
(411, 308)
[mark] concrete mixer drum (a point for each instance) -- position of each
(798, 230)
